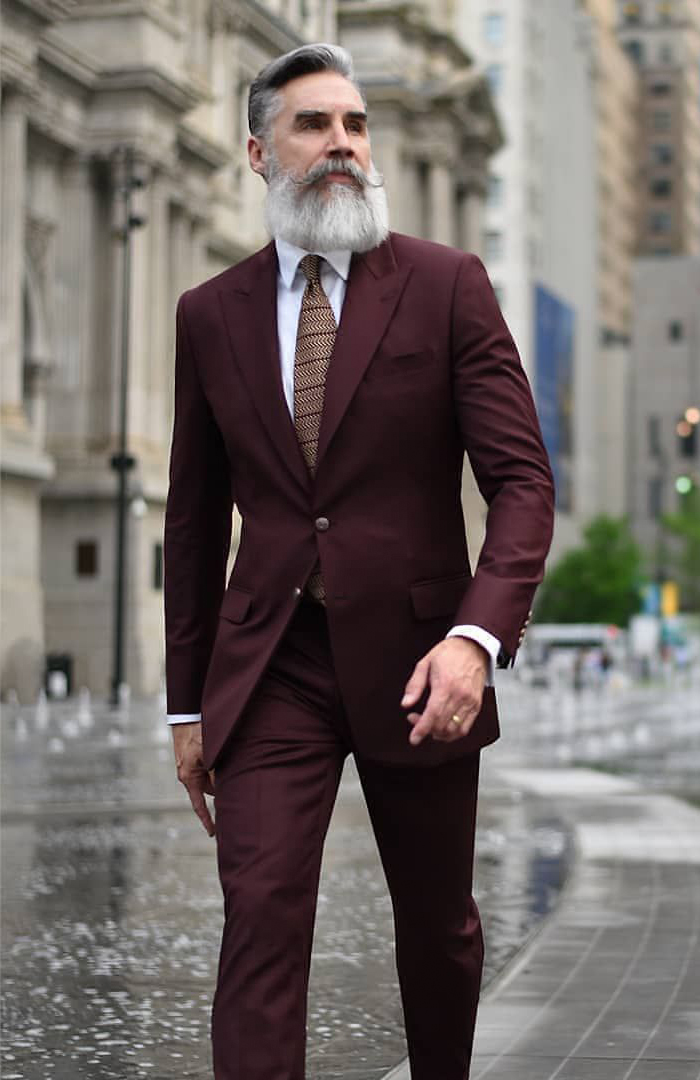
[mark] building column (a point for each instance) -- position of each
(159, 314)
(441, 203)
(13, 144)
(472, 224)
(73, 313)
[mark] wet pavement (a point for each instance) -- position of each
(610, 987)
(112, 909)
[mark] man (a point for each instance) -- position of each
(329, 386)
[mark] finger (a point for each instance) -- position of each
(199, 805)
(451, 732)
(417, 682)
(427, 721)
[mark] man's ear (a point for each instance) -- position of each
(257, 156)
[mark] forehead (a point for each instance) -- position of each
(325, 91)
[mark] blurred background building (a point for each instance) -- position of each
(96, 95)
(560, 140)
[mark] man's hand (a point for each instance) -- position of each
(455, 671)
(187, 743)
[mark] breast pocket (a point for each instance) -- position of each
(401, 365)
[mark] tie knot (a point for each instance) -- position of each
(310, 267)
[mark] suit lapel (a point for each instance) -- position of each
(250, 313)
(375, 284)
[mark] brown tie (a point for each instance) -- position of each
(315, 340)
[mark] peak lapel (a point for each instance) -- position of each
(375, 284)
(250, 313)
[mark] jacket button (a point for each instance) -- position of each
(297, 590)
(322, 524)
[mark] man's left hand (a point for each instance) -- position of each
(455, 671)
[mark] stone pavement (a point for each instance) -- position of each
(112, 910)
(609, 989)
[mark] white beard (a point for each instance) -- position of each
(341, 217)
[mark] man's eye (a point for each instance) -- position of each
(356, 127)
(312, 122)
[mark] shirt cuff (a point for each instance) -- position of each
(483, 638)
(184, 718)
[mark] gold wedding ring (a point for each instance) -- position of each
(456, 720)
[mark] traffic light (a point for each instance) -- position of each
(687, 432)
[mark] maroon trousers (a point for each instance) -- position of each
(275, 790)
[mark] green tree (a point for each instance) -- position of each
(597, 582)
(683, 551)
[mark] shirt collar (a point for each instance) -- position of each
(289, 256)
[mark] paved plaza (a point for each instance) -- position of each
(588, 878)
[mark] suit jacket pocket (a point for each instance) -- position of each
(383, 367)
(439, 597)
(236, 604)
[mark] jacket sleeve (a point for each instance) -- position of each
(197, 531)
(501, 435)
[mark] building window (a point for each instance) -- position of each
(494, 28)
(660, 89)
(494, 74)
(675, 330)
(635, 50)
(661, 189)
(655, 497)
(631, 13)
(666, 54)
(664, 9)
(661, 121)
(662, 154)
(495, 190)
(660, 221)
(158, 566)
(493, 245)
(654, 432)
(86, 558)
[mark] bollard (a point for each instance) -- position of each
(42, 712)
(85, 717)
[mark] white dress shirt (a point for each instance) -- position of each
(291, 284)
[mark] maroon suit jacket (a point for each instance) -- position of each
(423, 369)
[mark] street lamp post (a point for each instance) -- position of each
(122, 462)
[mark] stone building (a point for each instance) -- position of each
(663, 39)
(86, 86)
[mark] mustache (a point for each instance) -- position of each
(350, 168)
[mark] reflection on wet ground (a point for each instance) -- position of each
(112, 910)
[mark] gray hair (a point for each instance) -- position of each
(263, 99)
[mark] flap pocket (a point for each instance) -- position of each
(439, 597)
(236, 604)
(385, 366)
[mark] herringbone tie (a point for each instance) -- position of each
(315, 340)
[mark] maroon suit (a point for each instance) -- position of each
(423, 369)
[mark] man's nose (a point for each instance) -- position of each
(339, 144)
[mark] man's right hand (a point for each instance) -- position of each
(187, 743)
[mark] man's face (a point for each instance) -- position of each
(322, 119)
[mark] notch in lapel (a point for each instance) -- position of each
(374, 287)
(250, 313)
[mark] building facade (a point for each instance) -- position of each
(664, 459)
(663, 39)
(560, 228)
(95, 91)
